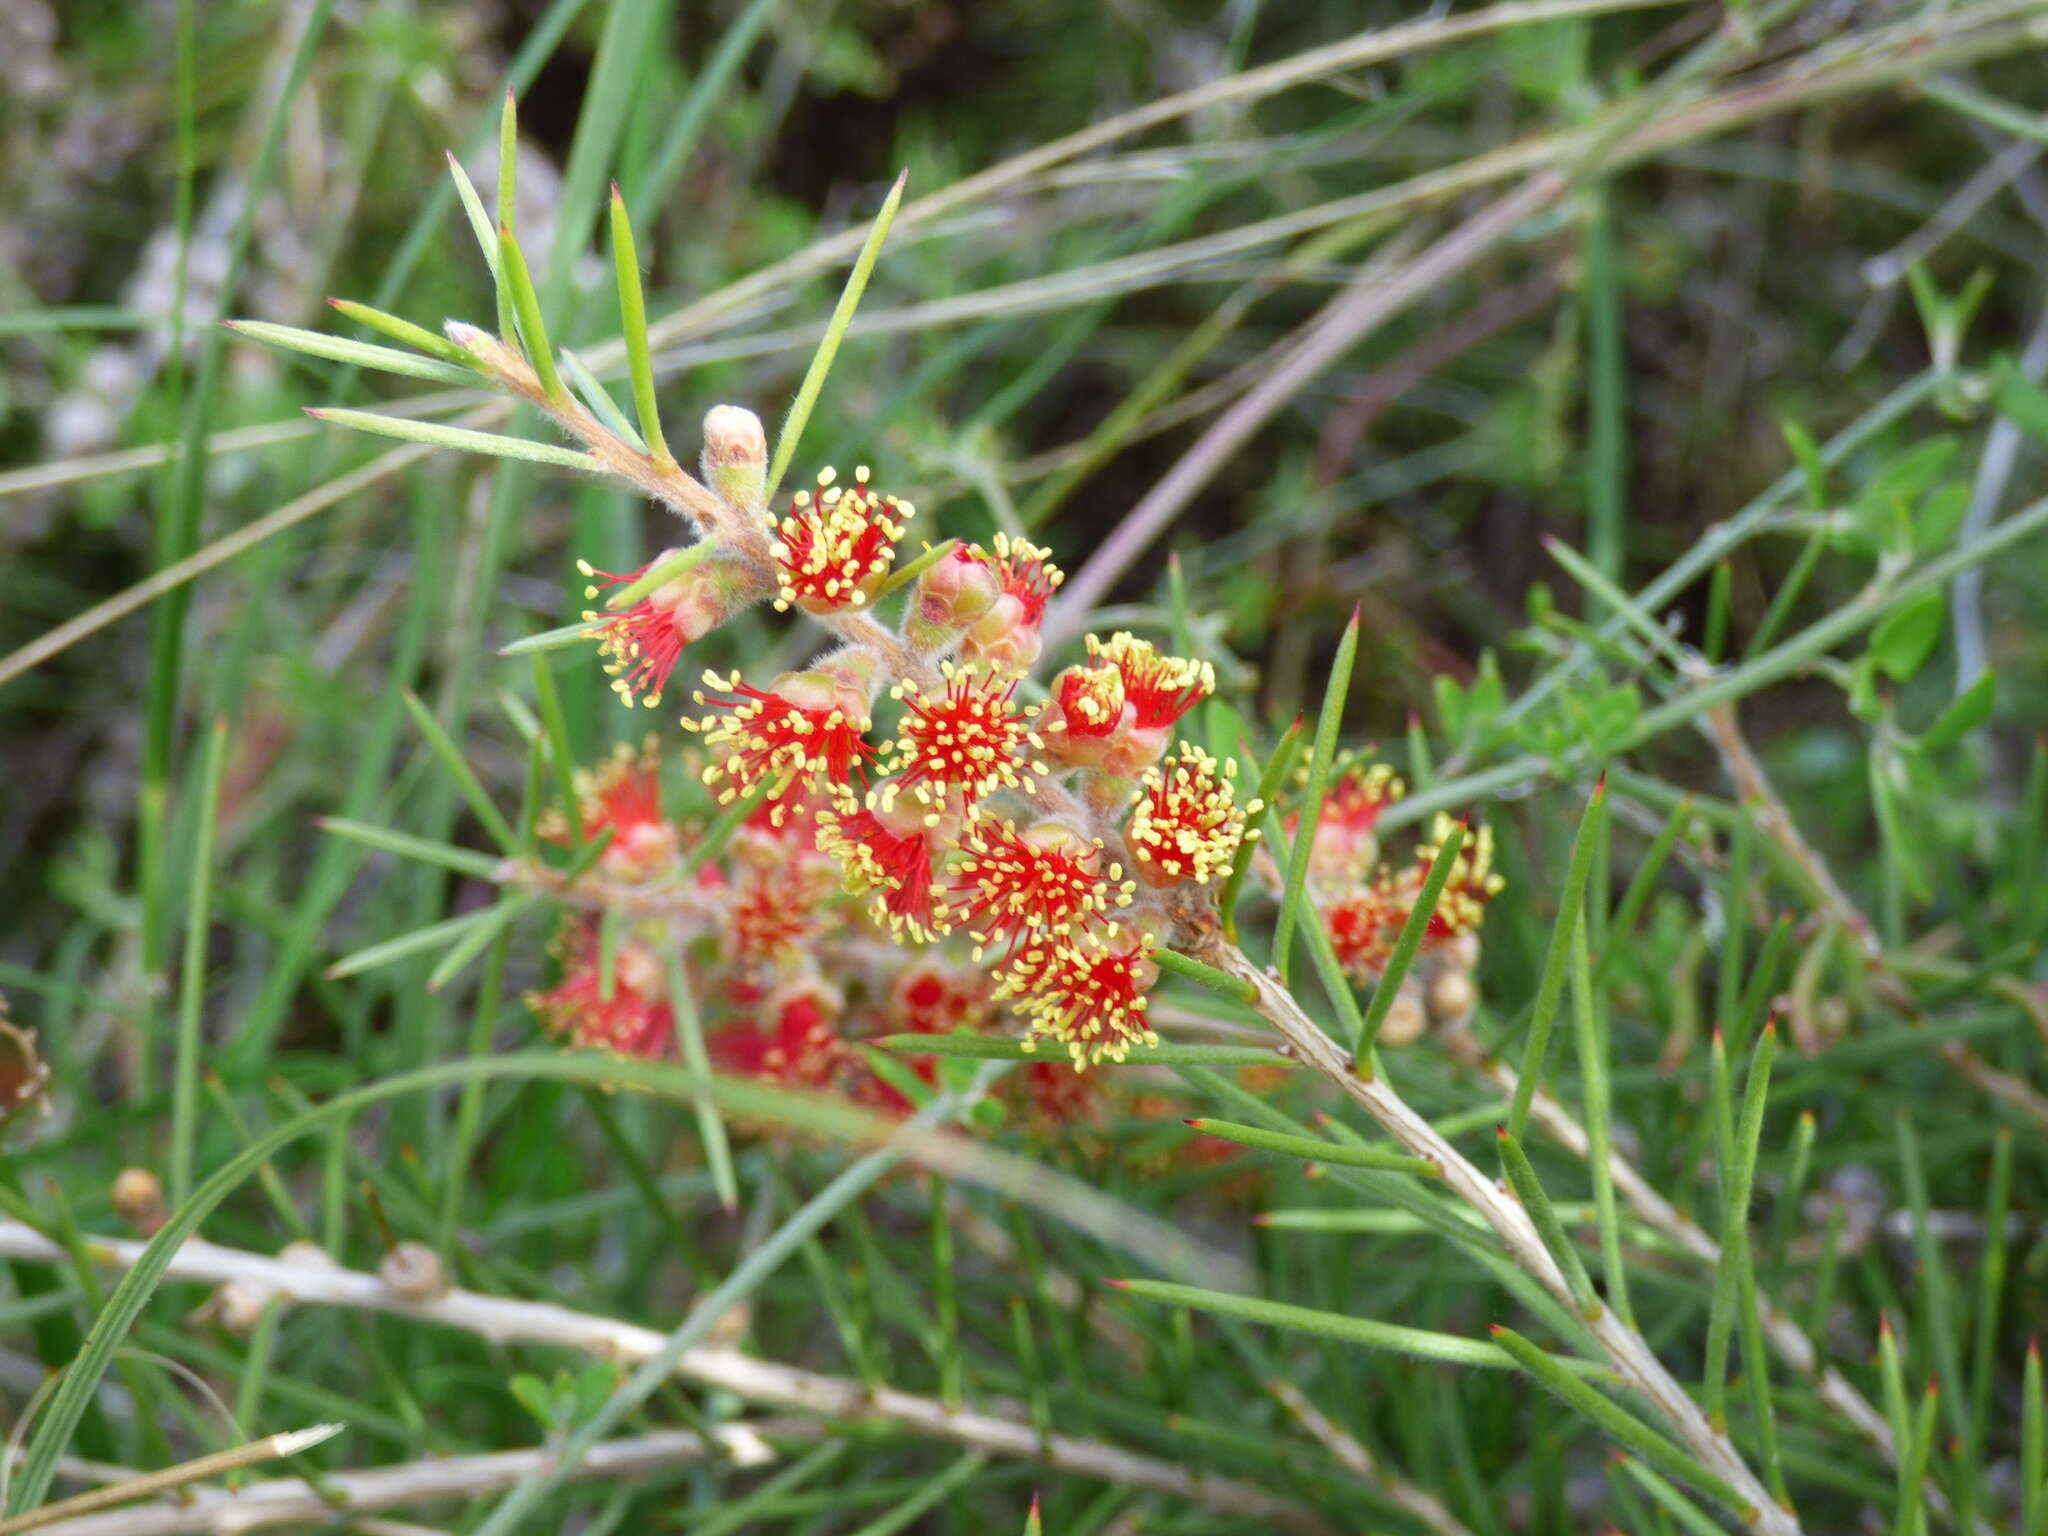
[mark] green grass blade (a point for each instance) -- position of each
(710, 1125)
(1912, 1519)
(433, 936)
(2033, 1445)
(591, 391)
(1414, 928)
(486, 232)
(1319, 763)
(498, 918)
(508, 211)
(828, 348)
(1642, 886)
(1943, 1325)
(1990, 1290)
(1596, 1088)
(192, 970)
(1607, 389)
(461, 439)
(463, 776)
(1314, 1151)
(560, 639)
(1556, 962)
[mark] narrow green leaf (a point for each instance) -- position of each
(466, 861)
(1622, 1425)
(1968, 710)
(1612, 596)
(508, 198)
(1670, 1498)
(1556, 963)
(1991, 1271)
(1641, 886)
(995, 1048)
(1414, 928)
(1194, 970)
(946, 1296)
(551, 640)
(430, 342)
(591, 391)
(1596, 1088)
(1912, 1519)
(1529, 1190)
(564, 762)
(2033, 1445)
(533, 331)
(192, 968)
(465, 778)
(658, 575)
(1720, 603)
(341, 349)
(461, 439)
(1943, 1326)
(499, 916)
(1319, 763)
(1792, 1192)
(433, 936)
(710, 1125)
(1278, 766)
(1419, 1343)
(1314, 1151)
(903, 575)
(1788, 594)
(480, 225)
(1906, 637)
(633, 327)
(828, 347)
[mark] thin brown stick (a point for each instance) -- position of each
(1361, 1463)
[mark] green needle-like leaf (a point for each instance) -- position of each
(1175, 963)
(1278, 765)
(828, 348)
(1557, 961)
(1319, 763)
(533, 331)
(1529, 1190)
(1315, 1151)
(464, 776)
(633, 328)
(462, 439)
(192, 968)
(1414, 928)
(362, 354)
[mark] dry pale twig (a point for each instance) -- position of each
(1359, 1462)
(293, 1501)
(507, 1321)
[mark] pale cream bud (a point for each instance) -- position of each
(1407, 1019)
(736, 456)
(414, 1272)
(139, 1200)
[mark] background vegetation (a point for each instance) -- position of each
(1766, 356)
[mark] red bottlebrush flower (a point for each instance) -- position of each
(1160, 688)
(1364, 920)
(798, 1046)
(1008, 633)
(885, 851)
(928, 998)
(770, 912)
(1188, 824)
(634, 1020)
(963, 743)
(1089, 996)
(1346, 845)
(804, 728)
(1044, 882)
(1091, 704)
(833, 550)
(643, 643)
(1462, 906)
(623, 797)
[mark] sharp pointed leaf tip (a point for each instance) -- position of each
(1495, 1329)
(1600, 784)
(1194, 1124)
(1357, 613)
(1121, 1285)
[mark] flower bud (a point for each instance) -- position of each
(1004, 636)
(1452, 997)
(951, 595)
(1407, 1018)
(1088, 709)
(735, 459)
(139, 1200)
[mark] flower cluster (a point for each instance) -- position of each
(1365, 903)
(1058, 841)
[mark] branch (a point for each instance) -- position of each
(1632, 1357)
(294, 1501)
(505, 1321)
